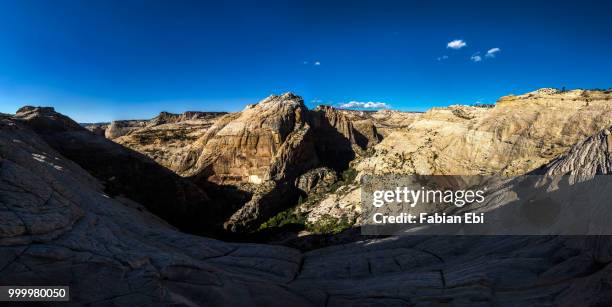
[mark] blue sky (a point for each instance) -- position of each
(104, 60)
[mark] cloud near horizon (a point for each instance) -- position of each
(364, 105)
(456, 44)
(316, 100)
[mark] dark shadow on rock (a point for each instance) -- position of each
(126, 172)
(332, 147)
(360, 139)
(287, 235)
(232, 198)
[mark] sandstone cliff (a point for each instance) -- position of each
(171, 118)
(263, 149)
(242, 147)
(165, 138)
(520, 134)
(342, 135)
(123, 127)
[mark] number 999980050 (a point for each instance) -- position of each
(34, 293)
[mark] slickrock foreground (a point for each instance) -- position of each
(60, 227)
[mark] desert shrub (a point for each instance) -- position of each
(349, 175)
(330, 225)
(326, 224)
(486, 105)
(346, 177)
(284, 218)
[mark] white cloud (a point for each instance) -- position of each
(317, 63)
(456, 44)
(444, 57)
(476, 57)
(364, 105)
(491, 53)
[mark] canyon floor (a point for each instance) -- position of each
(131, 212)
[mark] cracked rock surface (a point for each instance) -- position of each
(58, 227)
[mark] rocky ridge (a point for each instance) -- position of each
(518, 135)
(165, 138)
(124, 172)
(588, 158)
(259, 151)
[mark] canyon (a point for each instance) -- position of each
(136, 207)
(262, 151)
